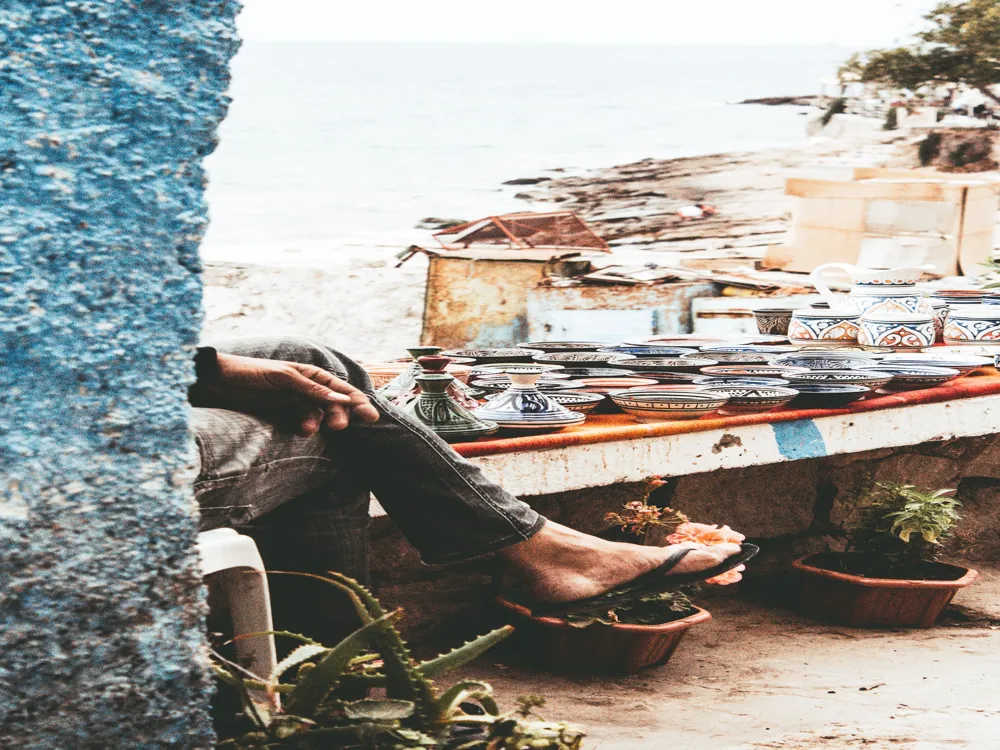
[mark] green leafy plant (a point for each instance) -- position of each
(654, 609)
(837, 107)
(929, 148)
(900, 529)
(410, 711)
(638, 517)
(891, 119)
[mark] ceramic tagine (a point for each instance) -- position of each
(876, 290)
(449, 419)
(405, 380)
(435, 365)
(524, 408)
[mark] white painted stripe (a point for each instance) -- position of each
(602, 464)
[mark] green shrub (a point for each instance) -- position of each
(837, 107)
(929, 148)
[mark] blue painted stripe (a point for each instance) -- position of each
(799, 439)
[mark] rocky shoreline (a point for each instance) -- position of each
(355, 299)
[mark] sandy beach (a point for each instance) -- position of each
(348, 293)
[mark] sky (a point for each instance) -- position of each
(855, 23)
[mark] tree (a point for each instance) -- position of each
(960, 45)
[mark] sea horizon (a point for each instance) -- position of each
(360, 140)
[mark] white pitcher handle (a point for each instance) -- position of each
(817, 280)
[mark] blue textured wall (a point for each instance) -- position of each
(106, 110)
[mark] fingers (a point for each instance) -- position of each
(337, 418)
(311, 422)
(318, 393)
(360, 404)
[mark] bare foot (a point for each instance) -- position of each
(560, 565)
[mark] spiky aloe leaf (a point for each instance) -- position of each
(325, 676)
(402, 679)
(387, 709)
(454, 659)
(364, 614)
(296, 657)
(450, 699)
(282, 633)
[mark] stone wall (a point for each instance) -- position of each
(792, 509)
(107, 108)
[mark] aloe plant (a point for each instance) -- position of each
(412, 714)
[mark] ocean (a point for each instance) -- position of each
(331, 142)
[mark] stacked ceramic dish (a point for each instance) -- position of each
(523, 408)
(491, 356)
(655, 367)
(554, 347)
(744, 399)
(653, 405)
(645, 352)
(958, 297)
(871, 379)
(827, 360)
(581, 359)
(776, 370)
(915, 377)
(972, 324)
(962, 362)
(827, 395)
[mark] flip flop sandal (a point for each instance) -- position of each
(648, 583)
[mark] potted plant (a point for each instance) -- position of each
(625, 638)
(889, 575)
(311, 712)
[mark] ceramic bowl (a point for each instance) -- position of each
(580, 359)
(599, 372)
(490, 356)
(737, 358)
(972, 324)
(654, 365)
(826, 360)
(873, 379)
(958, 297)
(710, 380)
(499, 368)
(752, 371)
(500, 383)
(774, 349)
(383, 373)
(580, 401)
(897, 331)
(659, 405)
(991, 298)
(745, 399)
(906, 378)
(773, 320)
(550, 347)
(824, 327)
(644, 352)
(827, 395)
(671, 377)
(964, 364)
(608, 385)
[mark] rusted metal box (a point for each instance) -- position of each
(498, 298)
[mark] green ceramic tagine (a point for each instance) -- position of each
(404, 381)
(435, 365)
(449, 419)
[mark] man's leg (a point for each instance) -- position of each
(443, 504)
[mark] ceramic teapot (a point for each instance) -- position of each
(881, 290)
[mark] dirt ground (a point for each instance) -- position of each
(759, 677)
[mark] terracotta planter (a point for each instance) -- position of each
(876, 602)
(551, 644)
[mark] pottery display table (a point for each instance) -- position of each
(615, 449)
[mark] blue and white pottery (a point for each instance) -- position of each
(940, 318)
(723, 380)
(908, 378)
(652, 366)
(959, 297)
(973, 324)
(493, 356)
(835, 327)
(644, 352)
(897, 331)
(826, 360)
(876, 290)
(963, 363)
(752, 371)
(752, 399)
(659, 405)
(524, 408)
(550, 347)
(991, 298)
(580, 359)
(735, 358)
(873, 379)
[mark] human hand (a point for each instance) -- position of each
(298, 397)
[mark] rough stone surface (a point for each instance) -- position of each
(106, 110)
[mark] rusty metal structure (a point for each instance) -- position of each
(558, 230)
